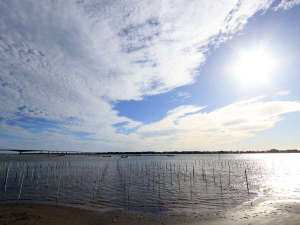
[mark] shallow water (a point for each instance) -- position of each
(150, 183)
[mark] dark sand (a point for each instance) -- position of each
(277, 212)
(41, 214)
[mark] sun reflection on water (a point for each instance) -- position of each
(281, 175)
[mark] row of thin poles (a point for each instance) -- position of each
(154, 176)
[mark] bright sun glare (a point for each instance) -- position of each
(253, 67)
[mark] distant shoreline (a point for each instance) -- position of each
(147, 153)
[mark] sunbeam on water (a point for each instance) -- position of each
(150, 183)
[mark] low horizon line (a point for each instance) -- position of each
(152, 152)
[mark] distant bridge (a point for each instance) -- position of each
(20, 151)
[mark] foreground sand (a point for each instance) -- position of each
(273, 212)
(39, 214)
(265, 212)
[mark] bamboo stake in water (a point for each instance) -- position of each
(21, 186)
(247, 180)
(191, 187)
(57, 193)
(6, 178)
(228, 174)
(159, 186)
(171, 177)
(193, 172)
(214, 175)
(221, 184)
(178, 179)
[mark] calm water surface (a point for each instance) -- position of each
(150, 183)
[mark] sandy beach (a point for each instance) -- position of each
(263, 212)
(275, 212)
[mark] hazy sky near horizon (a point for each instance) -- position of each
(141, 75)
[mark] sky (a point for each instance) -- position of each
(143, 75)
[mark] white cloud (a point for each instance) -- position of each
(67, 60)
(184, 128)
(189, 128)
(287, 4)
(58, 53)
(282, 93)
(183, 95)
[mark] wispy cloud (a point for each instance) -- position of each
(287, 4)
(282, 93)
(194, 129)
(183, 95)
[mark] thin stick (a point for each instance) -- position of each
(228, 174)
(193, 172)
(6, 179)
(214, 175)
(221, 183)
(21, 186)
(57, 193)
(247, 180)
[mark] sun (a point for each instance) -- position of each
(253, 67)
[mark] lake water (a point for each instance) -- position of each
(150, 183)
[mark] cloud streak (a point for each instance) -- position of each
(287, 4)
(193, 129)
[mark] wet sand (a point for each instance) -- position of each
(263, 212)
(38, 214)
(275, 212)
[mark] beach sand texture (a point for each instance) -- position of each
(279, 212)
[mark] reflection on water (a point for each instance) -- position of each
(149, 183)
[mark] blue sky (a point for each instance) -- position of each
(149, 75)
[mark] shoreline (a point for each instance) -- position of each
(20, 152)
(263, 211)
